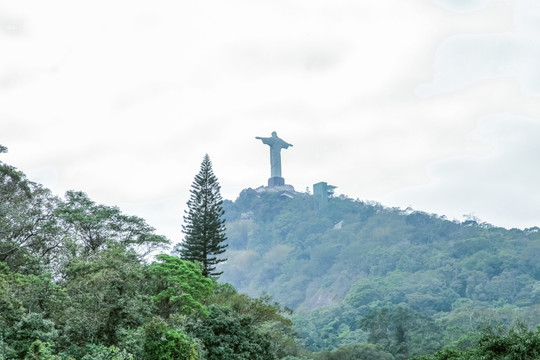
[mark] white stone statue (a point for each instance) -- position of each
(276, 144)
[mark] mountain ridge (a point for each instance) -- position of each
(355, 257)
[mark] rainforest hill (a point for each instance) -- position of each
(358, 272)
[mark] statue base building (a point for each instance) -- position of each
(283, 190)
(276, 181)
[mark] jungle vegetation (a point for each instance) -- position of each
(355, 272)
(353, 280)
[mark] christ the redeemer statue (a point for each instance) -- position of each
(276, 144)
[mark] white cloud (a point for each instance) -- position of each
(462, 5)
(123, 99)
(471, 57)
(465, 59)
(499, 187)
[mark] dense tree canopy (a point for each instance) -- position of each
(365, 282)
(178, 285)
(98, 226)
(516, 343)
(355, 267)
(76, 282)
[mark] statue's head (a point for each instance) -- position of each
(274, 134)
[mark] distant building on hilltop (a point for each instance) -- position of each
(321, 192)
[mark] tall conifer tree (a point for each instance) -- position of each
(204, 226)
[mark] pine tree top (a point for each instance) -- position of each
(204, 226)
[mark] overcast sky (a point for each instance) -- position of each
(433, 104)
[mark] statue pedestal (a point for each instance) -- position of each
(276, 181)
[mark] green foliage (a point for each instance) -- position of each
(355, 352)
(178, 286)
(164, 343)
(365, 281)
(100, 352)
(261, 310)
(336, 266)
(31, 328)
(401, 331)
(29, 232)
(227, 335)
(74, 284)
(98, 226)
(39, 350)
(105, 296)
(204, 226)
(496, 344)
(269, 317)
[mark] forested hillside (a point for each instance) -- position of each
(364, 281)
(358, 272)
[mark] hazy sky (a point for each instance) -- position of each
(433, 104)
